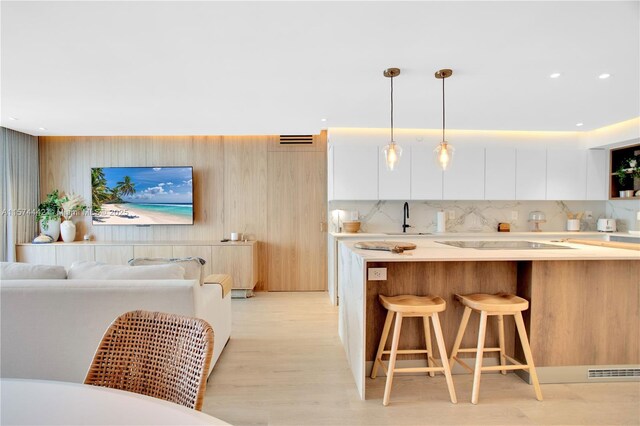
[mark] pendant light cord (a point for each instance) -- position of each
(391, 109)
(443, 113)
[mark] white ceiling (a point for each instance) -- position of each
(154, 68)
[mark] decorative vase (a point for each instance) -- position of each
(52, 229)
(68, 231)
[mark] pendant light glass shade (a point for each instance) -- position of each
(444, 151)
(444, 155)
(392, 151)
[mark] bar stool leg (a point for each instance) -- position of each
(381, 345)
(503, 359)
(427, 338)
(479, 355)
(392, 359)
(522, 331)
(443, 356)
(460, 335)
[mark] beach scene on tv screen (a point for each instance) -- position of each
(142, 195)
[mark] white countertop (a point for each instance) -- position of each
(604, 236)
(429, 250)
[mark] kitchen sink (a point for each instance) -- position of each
(399, 234)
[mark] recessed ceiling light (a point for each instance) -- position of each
(323, 119)
(42, 128)
(579, 124)
(13, 118)
(604, 75)
(555, 75)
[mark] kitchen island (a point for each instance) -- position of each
(583, 319)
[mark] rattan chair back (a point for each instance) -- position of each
(161, 355)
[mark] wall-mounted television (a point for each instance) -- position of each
(142, 195)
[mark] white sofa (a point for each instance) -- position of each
(50, 328)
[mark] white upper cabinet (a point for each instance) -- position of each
(566, 174)
(355, 172)
(500, 174)
(464, 179)
(531, 174)
(597, 174)
(426, 175)
(396, 184)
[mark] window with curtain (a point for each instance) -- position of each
(20, 190)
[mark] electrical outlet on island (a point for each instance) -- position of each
(377, 274)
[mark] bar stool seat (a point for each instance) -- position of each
(413, 304)
(494, 302)
(497, 305)
(403, 306)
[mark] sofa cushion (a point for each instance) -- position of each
(101, 271)
(28, 271)
(192, 265)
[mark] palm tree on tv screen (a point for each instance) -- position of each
(99, 190)
(126, 186)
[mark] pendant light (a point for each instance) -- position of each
(392, 151)
(444, 151)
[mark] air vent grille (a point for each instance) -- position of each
(296, 139)
(605, 373)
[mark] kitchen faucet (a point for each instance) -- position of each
(405, 216)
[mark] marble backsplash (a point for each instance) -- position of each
(626, 214)
(468, 216)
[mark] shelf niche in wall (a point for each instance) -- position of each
(618, 156)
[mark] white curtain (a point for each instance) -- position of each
(20, 190)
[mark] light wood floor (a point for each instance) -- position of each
(285, 365)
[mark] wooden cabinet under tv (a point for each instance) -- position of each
(618, 156)
(238, 259)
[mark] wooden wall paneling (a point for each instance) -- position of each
(203, 252)
(65, 163)
(40, 255)
(245, 193)
(114, 255)
(152, 251)
(67, 254)
(230, 190)
(209, 186)
(586, 312)
(233, 260)
(296, 209)
(443, 279)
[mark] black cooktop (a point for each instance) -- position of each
(502, 245)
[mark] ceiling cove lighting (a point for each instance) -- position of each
(392, 151)
(555, 75)
(444, 151)
(604, 76)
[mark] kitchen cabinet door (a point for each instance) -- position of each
(566, 174)
(426, 175)
(396, 184)
(531, 174)
(597, 174)
(464, 180)
(355, 172)
(500, 174)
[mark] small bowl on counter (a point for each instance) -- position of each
(351, 227)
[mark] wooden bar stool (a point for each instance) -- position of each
(412, 306)
(497, 305)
